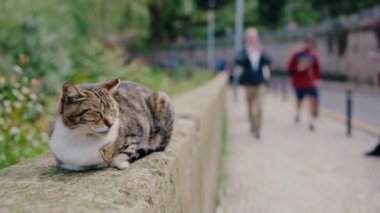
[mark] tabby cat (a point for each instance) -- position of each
(109, 124)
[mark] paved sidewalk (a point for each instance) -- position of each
(294, 170)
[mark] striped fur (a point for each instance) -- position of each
(90, 113)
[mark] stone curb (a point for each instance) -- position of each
(181, 179)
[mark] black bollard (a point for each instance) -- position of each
(349, 111)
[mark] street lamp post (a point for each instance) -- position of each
(238, 43)
(239, 19)
(211, 35)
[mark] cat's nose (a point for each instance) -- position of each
(108, 122)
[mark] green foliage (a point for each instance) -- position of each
(183, 73)
(44, 43)
(271, 12)
(136, 19)
(251, 16)
(41, 49)
(306, 12)
(20, 107)
(301, 12)
(170, 18)
(156, 21)
(339, 7)
(205, 4)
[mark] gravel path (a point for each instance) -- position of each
(294, 170)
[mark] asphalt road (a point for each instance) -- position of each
(366, 104)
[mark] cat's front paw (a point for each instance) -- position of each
(122, 165)
(120, 162)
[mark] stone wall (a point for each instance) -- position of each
(182, 179)
(195, 55)
(360, 60)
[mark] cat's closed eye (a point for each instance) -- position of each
(81, 113)
(95, 114)
(92, 116)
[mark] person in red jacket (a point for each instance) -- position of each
(305, 74)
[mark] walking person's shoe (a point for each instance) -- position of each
(312, 123)
(297, 119)
(255, 132)
(312, 127)
(257, 135)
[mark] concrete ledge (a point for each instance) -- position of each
(182, 179)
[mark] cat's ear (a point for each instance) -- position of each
(72, 92)
(111, 85)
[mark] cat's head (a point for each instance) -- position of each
(89, 107)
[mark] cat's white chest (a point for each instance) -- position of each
(76, 149)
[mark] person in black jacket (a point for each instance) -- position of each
(256, 71)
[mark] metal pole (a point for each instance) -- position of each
(349, 111)
(239, 18)
(211, 36)
(238, 42)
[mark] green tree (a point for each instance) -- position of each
(136, 19)
(301, 12)
(271, 12)
(170, 18)
(204, 4)
(338, 7)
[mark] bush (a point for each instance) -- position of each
(50, 42)
(21, 109)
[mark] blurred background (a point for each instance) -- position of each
(163, 44)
